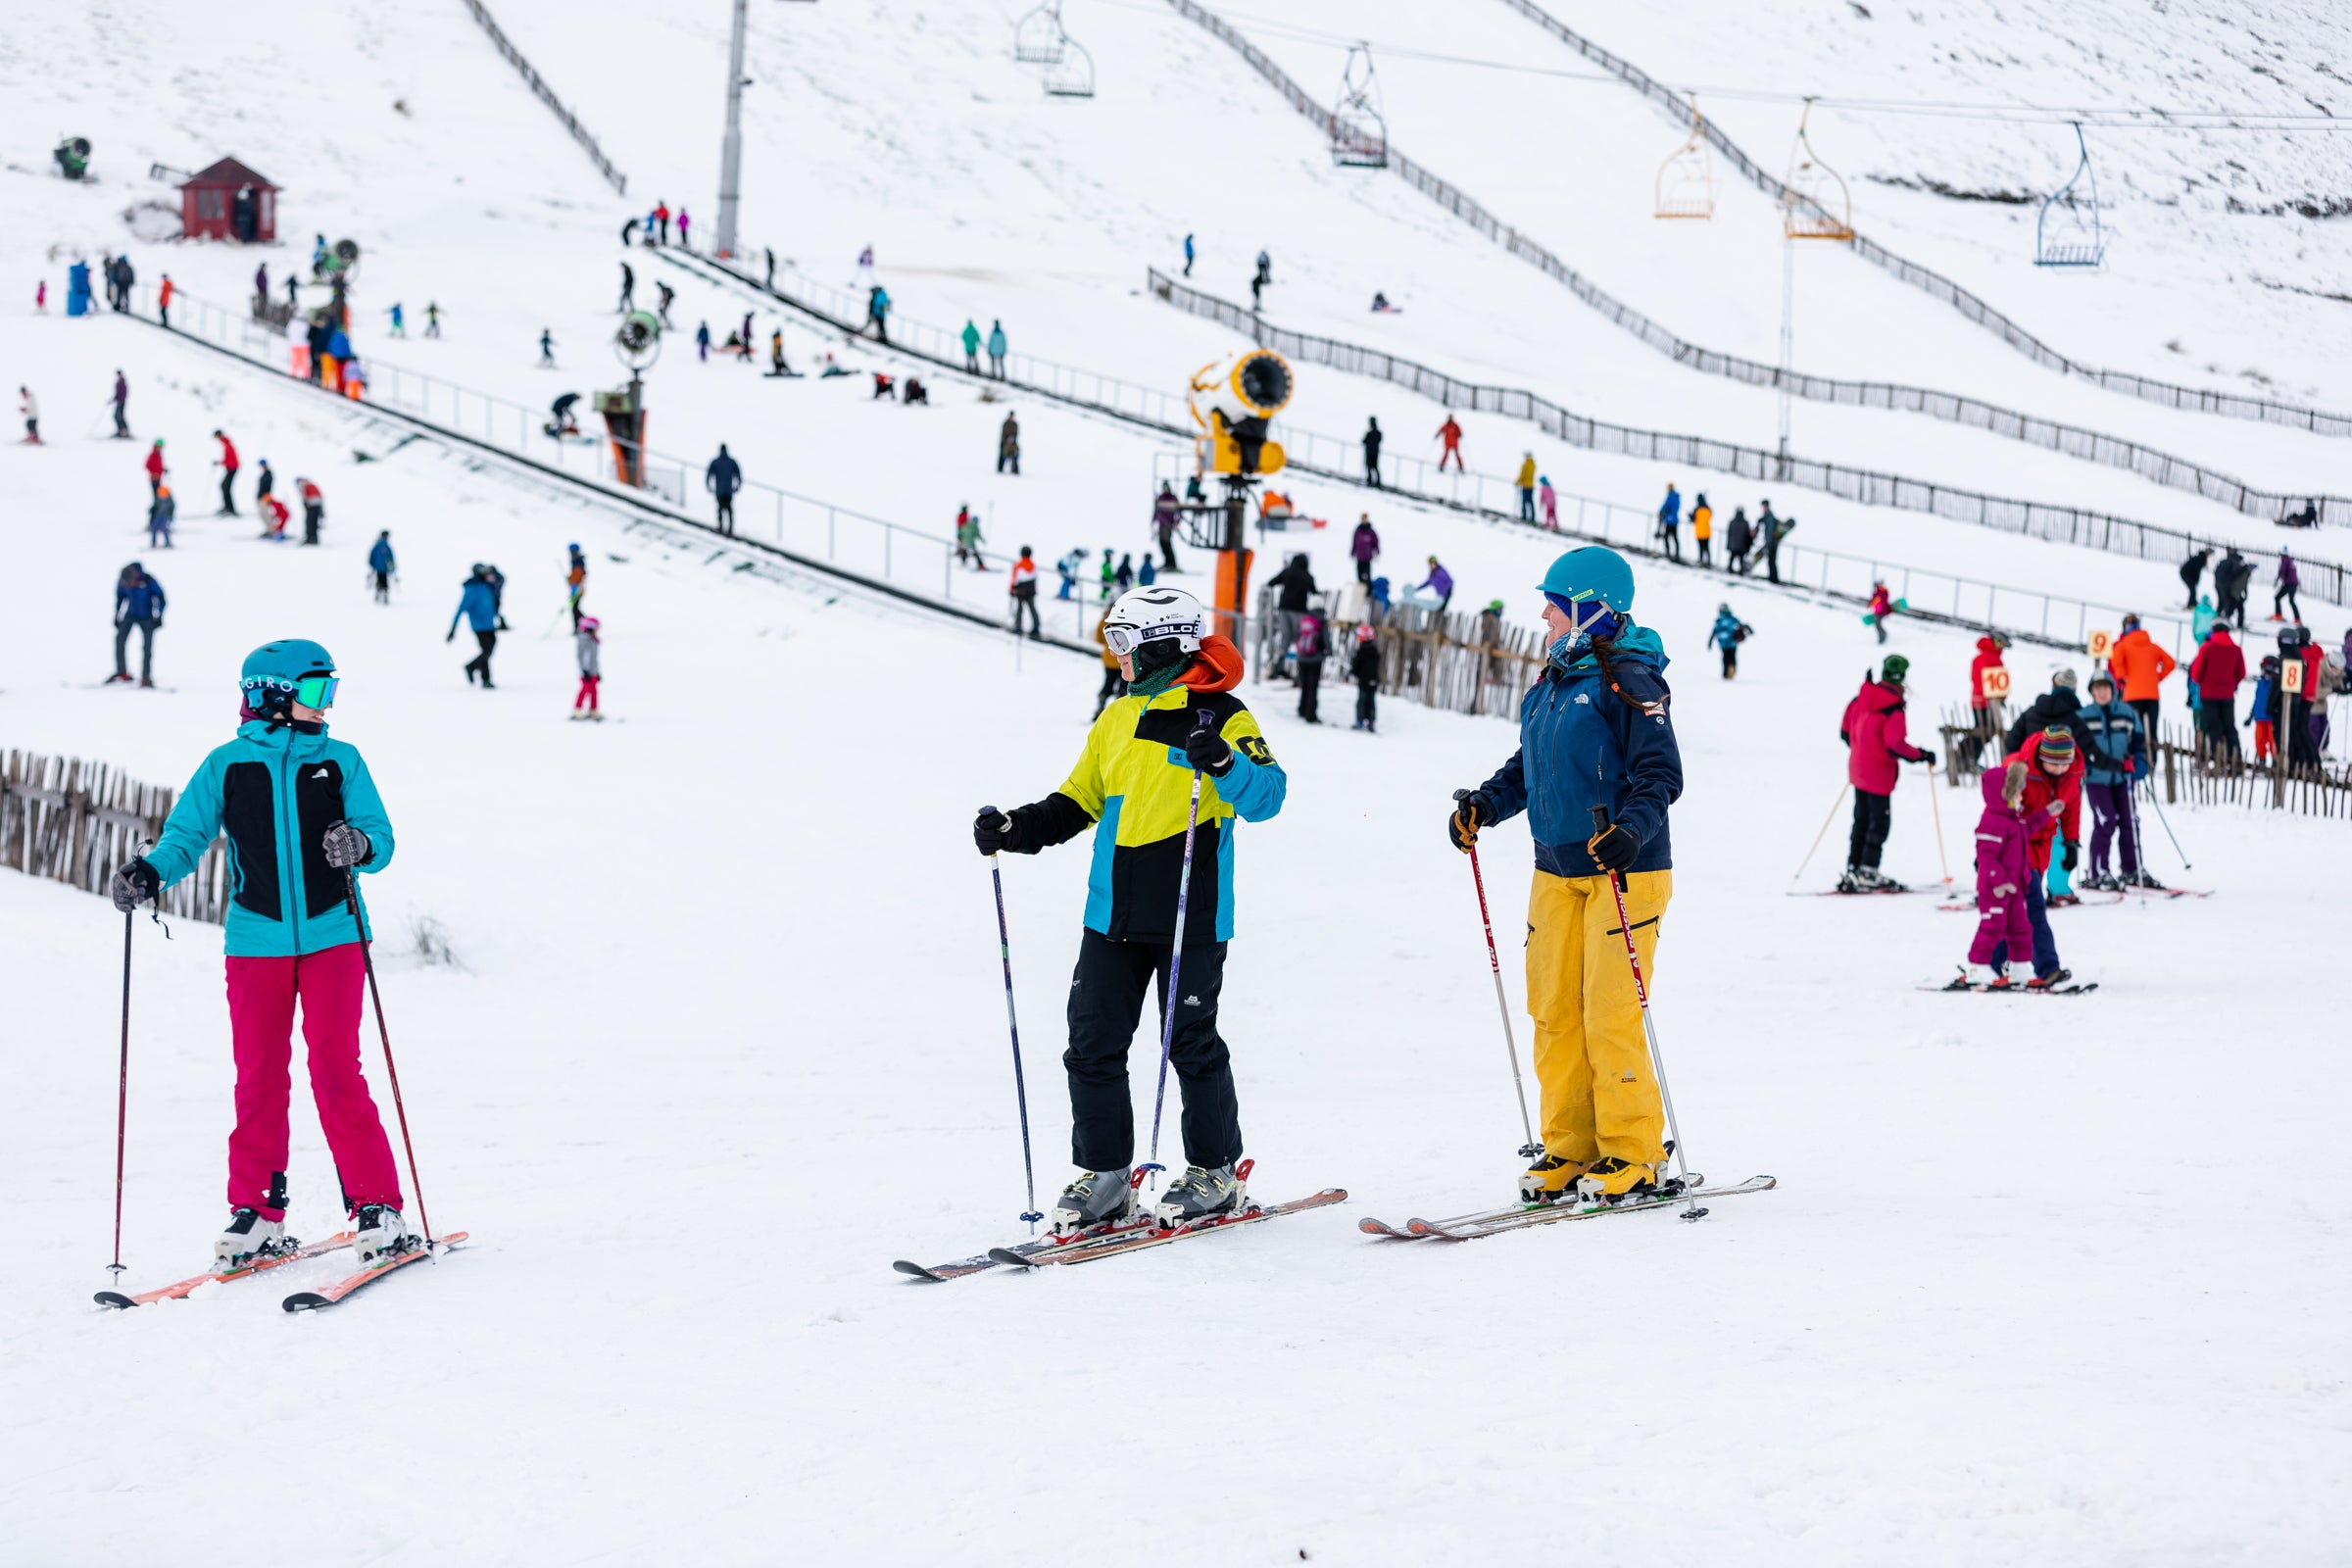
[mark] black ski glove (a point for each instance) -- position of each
(1926, 754)
(994, 830)
(134, 884)
(345, 845)
(1208, 751)
(1472, 810)
(1614, 848)
(2072, 853)
(453, 635)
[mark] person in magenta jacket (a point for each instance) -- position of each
(2002, 875)
(2053, 793)
(2219, 670)
(1873, 730)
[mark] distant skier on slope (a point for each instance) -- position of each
(1873, 732)
(1594, 731)
(477, 607)
(1180, 722)
(1450, 433)
(383, 563)
(301, 814)
(1727, 635)
(588, 641)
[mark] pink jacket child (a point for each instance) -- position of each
(2002, 872)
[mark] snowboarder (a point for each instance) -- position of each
(30, 407)
(722, 478)
(477, 607)
(227, 464)
(1165, 512)
(160, 514)
(587, 636)
(1882, 610)
(1728, 633)
(1525, 481)
(1180, 722)
(313, 509)
(302, 815)
(971, 347)
(2002, 872)
(400, 325)
(1364, 548)
(2116, 760)
(1595, 736)
(1309, 649)
(996, 348)
(2219, 670)
(776, 366)
(1009, 446)
(1770, 531)
(2230, 577)
(576, 583)
(1873, 732)
(121, 408)
(2290, 579)
(1022, 589)
(547, 349)
(155, 467)
(2054, 789)
(382, 563)
(1670, 524)
(139, 606)
(1363, 667)
(1372, 440)
(1702, 530)
(1450, 433)
(2194, 569)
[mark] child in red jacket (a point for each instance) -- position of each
(2052, 802)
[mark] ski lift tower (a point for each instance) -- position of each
(1236, 447)
(1359, 132)
(1685, 184)
(1814, 205)
(730, 147)
(2075, 238)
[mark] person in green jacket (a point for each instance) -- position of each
(971, 347)
(300, 815)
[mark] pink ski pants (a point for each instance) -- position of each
(262, 994)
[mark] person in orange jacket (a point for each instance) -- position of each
(2139, 666)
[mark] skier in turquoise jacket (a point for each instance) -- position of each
(300, 814)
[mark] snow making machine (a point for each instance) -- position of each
(1235, 447)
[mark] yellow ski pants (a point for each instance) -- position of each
(1600, 1094)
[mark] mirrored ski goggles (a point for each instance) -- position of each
(1123, 640)
(317, 691)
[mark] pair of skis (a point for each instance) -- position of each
(300, 1301)
(1135, 1236)
(1525, 1217)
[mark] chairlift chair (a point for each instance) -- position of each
(1038, 38)
(2075, 238)
(1359, 132)
(1073, 75)
(1815, 205)
(1685, 184)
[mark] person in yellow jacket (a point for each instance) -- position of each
(1134, 784)
(1527, 488)
(1702, 530)
(1593, 733)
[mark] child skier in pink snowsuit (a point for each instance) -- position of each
(2002, 872)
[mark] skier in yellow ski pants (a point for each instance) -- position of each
(1594, 737)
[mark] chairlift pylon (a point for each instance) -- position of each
(1359, 132)
(1038, 38)
(1074, 75)
(2076, 239)
(1685, 184)
(1814, 204)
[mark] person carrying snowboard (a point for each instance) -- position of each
(301, 814)
(1596, 771)
(1133, 784)
(1728, 633)
(1873, 732)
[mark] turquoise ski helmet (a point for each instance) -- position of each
(272, 670)
(1594, 572)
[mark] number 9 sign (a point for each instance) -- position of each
(2102, 643)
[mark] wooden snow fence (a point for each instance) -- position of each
(1464, 663)
(2187, 767)
(74, 823)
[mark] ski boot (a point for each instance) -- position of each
(1978, 977)
(382, 1235)
(1551, 1177)
(1098, 1201)
(1852, 881)
(1873, 882)
(2141, 879)
(1611, 1180)
(2055, 980)
(250, 1240)
(1205, 1192)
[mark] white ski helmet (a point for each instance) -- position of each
(1148, 614)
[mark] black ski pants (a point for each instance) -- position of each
(312, 514)
(1026, 605)
(1873, 815)
(1310, 685)
(726, 514)
(1107, 1000)
(146, 631)
(1367, 703)
(479, 664)
(2219, 715)
(2150, 710)
(228, 496)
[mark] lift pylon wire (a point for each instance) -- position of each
(1816, 205)
(1686, 183)
(2076, 239)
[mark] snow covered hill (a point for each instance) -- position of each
(723, 1030)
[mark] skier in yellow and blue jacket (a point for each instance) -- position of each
(1133, 784)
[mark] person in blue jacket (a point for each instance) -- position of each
(138, 607)
(1727, 635)
(1593, 734)
(477, 607)
(381, 563)
(2117, 756)
(300, 814)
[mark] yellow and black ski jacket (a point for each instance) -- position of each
(1135, 785)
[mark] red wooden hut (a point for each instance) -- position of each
(228, 201)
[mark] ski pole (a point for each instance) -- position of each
(1020, 1087)
(2138, 844)
(1935, 807)
(1649, 1028)
(351, 899)
(1825, 830)
(1530, 1149)
(122, 1096)
(1183, 889)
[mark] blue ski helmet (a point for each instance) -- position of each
(272, 670)
(1593, 572)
